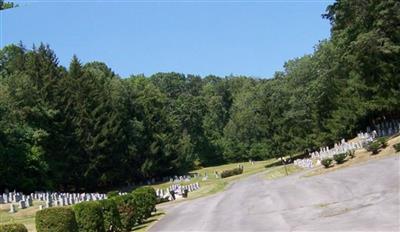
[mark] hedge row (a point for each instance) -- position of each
(231, 172)
(118, 213)
(56, 219)
(14, 227)
(338, 158)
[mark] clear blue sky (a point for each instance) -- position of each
(252, 38)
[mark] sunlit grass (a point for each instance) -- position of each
(24, 216)
(282, 171)
(213, 184)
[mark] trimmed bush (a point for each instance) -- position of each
(231, 172)
(89, 216)
(339, 158)
(351, 153)
(14, 227)
(145, 200)
(57, 219)
(127, 211)
(326, 162)
(374, 147)
(382, 141)
(112, 219)
(112, 194)
(151, 199)
(397, 147)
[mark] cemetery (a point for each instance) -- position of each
(19, 207)
(122, 116)
(363, 140)
(193, 185)
(196, 184)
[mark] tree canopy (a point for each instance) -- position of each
(7, 5)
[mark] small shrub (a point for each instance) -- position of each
(351, 153)
(326, 162)
(374, 147)
(112, 194)
(127, 211)
(231, 172)
(112, 219)
(397, 147)
(57, 219)
(145, 200)
(383, 141)
(89, 216)
(149, 197)
(14, 227)
(339, 158)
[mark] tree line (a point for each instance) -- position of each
(7, 5)
(86, 128)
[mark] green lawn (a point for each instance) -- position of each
(24, 216)
(280, 171)
(212, 184)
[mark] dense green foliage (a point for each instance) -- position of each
(57, 219)
(351, 153)
(231, 172)
(112, 194)
(374, 147)
(127, 211)
(7, 5)
(89, 216)
(145, 200)
(135, 207)
(14, 227)
(327, 162)
(397, 147)
(85, 128)
(383, 141)
(112, 219)
(340, 158)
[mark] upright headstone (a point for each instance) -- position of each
(47, 204)
(29, 201)
(22, 204)
(12, 208)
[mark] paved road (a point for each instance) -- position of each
(364, 198)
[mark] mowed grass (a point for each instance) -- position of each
(213, 184)
(24, 216)
(281, 171)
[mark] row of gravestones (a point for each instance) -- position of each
(179, 179)
(386, 128)
(175, 179)
(177, 189)
(342, 147)
(50, 199)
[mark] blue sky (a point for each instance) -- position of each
(252, 38)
